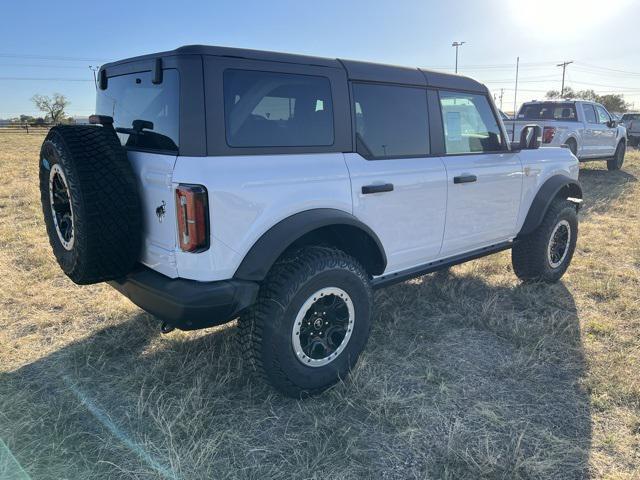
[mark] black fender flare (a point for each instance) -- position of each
(546, 194)
(264, 253)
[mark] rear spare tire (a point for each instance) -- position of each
(90, 203)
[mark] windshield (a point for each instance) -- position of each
(548, 111)
(135, 97)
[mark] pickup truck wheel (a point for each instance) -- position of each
(310, 322)
(90, 203)
(545, 254)
(615, 163)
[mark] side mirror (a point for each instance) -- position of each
(612, 123)
(530, 137)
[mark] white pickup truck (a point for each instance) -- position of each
(587, 128)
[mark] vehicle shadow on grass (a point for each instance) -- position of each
(460, 379)
(601, 188)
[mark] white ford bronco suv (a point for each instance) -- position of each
(220, 183)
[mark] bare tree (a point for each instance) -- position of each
(52, 106)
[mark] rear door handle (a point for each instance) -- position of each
(384, 187)
(465, 179)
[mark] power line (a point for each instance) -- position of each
(626, 88)
(611, 75)
(52, 57)
(34, 65)
(607, 68)
(46, 79)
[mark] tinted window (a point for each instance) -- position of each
(469, 123)
(630, 116)
(603, 116)
(390, 121)
(266, 109)
(548, 111)
(589, 114)
(134, 97)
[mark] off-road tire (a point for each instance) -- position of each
(103, 199)
(529, 255)
(615, 162)
(265, 330)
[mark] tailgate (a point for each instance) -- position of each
(154, 173)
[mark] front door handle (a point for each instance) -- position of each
(384, 187)
(465, 179)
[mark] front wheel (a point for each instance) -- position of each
(545, 254)
(310, 322)
(615, 163)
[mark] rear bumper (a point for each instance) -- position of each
(187, 304)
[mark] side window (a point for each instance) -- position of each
(603, 116)
(589, 113)
(267, 109)
(470, 125)
(391, 121)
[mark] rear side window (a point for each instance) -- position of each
(134, 97)
(391, 121)
(548, 111)
(469, 123)
(630, 116)
(589, 114)
(267, 109)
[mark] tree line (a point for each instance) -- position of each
(614, 102)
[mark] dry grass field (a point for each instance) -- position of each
(468, 374)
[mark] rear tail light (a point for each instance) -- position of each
(547, 134)
(192, 211)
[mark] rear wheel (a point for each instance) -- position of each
(310, 322)
(545, 254)
(615, 162)
(573, 146)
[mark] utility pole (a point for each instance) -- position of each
(501, 95)
(457, 45)
(94, 70)
(564, 68)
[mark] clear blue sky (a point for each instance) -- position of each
(59, 40)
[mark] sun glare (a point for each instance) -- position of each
(563, 18)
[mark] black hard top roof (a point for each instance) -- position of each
(356, 70)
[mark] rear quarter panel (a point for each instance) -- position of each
(248, 194)
(540, 165)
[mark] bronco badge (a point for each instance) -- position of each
(160, 211)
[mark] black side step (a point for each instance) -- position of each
(391, 278)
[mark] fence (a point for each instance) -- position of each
(25, 129)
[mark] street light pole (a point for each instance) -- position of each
(457, 45)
